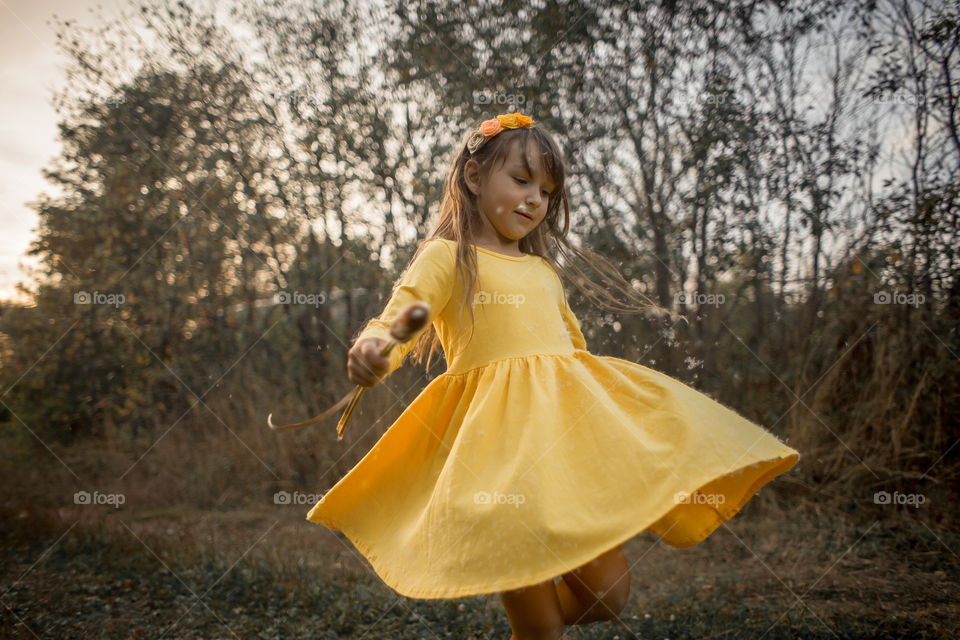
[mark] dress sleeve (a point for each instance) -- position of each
(429, 278)
(573, 327)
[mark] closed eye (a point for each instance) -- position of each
(543, 191)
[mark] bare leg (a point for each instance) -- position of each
(598, 590)
(534, 612)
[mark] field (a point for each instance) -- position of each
(791, 565)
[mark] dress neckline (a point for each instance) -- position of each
(525, 256)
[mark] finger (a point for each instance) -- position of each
(363, 381)
(377, 363)
(372, 369)
(359, 373)
(371, 366)
(371, 348)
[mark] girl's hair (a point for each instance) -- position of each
(459, 221)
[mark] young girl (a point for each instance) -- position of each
(524, 467)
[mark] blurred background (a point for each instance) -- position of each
(236, 186)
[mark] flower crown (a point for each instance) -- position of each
(493, 126)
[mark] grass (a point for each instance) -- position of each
(199, 549)
(773, 572)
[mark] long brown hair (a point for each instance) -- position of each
(459, 221)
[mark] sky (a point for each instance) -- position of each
(31, 69)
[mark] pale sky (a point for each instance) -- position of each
(31, 69)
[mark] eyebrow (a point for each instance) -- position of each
(526, 165)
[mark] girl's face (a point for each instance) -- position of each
(513, 198)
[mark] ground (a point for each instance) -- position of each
(809, 571)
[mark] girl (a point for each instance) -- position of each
(524, 467)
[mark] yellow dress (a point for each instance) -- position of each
(530, 456)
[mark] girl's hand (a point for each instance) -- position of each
(365, 365)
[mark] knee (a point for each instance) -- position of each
(609, 604)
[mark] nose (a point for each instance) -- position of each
(534, 198)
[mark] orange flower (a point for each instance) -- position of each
(514, 120)
(491, 127)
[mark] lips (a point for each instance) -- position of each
(524, 215)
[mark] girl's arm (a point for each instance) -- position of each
(429, 278)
